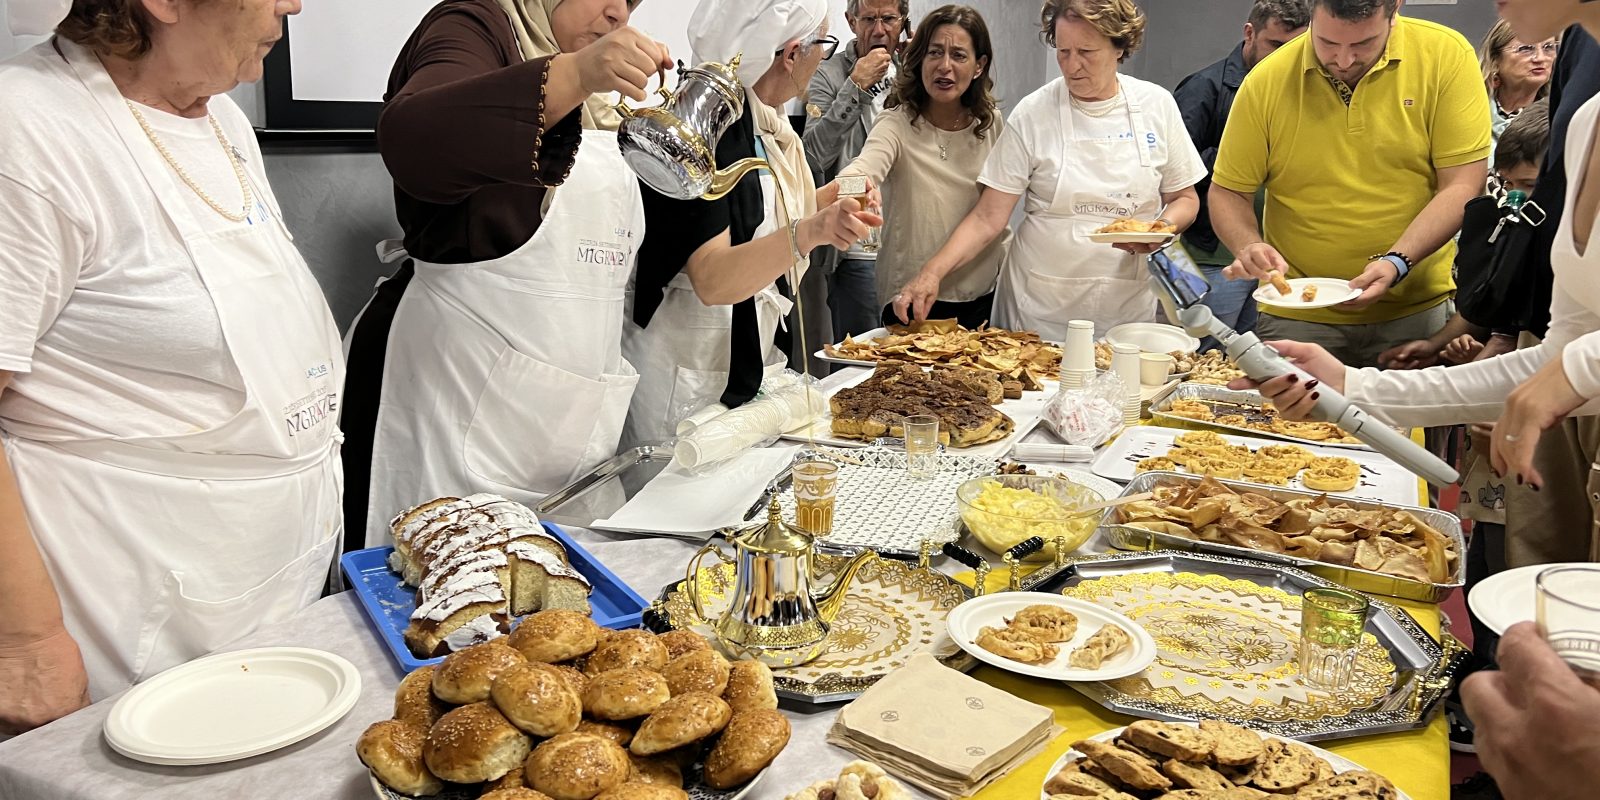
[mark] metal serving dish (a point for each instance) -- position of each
(1128, 537)
(1422, 667)
(1248, 403)
(605, 489)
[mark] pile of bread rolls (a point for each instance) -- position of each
(566, 710)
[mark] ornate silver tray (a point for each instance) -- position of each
(1242, 629)
(1127, 537)
(605, 489)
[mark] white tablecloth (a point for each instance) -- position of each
(69, 759)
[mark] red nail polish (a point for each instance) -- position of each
(1294, 378)
(1315, 395)
(1311, 385)
(1534, 486)
(1519, 479)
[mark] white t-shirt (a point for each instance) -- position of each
(107, 324)
(1476, 392)
(1031, 151)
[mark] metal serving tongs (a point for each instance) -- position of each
(1179, 280)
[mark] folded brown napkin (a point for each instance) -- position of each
(943, 731)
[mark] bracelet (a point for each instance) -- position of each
(1402, 264)
(794, 241)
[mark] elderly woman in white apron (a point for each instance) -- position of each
(492, 362)
(1084, 150)
(715, 278)
(169, 370)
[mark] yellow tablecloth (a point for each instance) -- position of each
(1417, 761)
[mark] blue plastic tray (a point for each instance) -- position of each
(389, 602)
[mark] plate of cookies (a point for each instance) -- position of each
(1152, 760)
(1051, 636)
(1304, 293)
(571, 710)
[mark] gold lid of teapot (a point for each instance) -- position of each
(775, 535)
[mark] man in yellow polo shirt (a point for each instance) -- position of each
(1370, 134)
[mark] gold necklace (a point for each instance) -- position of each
(939, 134)
(227, 149)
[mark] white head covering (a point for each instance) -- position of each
(36, 17)
(722, 29)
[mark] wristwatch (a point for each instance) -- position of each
(1402, 264)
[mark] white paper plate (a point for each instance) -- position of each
(1154, 337)
(232, 705)
(1130, 237)
(967, 620)
(1330, 292)
(1339, 763)
(1507, 598)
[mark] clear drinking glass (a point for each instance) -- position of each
(874, 238)
(815, 484)
(1331, 622)
(922, 445)
(1568, 610)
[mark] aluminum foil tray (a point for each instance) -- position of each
(1127, 537)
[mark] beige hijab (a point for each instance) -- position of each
(531, 21)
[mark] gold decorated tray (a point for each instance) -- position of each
(892, 610)
(1227, 633)
(1228, 647)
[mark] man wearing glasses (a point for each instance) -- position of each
(850, 91)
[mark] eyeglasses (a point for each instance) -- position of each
(887, 20)
(1528, 50)
(829, 45)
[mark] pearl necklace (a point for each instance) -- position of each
(227, 149)
(1110, 107)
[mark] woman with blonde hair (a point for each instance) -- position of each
(927, 150)
(1084, 150)
(1516, 73)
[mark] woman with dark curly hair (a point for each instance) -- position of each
(1085, 150)
(926, 152)
(169, 371)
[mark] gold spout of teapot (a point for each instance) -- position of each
(723, 180)
(830, 600)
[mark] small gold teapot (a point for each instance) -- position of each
(773, 615)
(673, 146)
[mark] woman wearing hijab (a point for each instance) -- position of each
(715, 278)
(169, 369)
(502, 370)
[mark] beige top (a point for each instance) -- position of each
(925, 197)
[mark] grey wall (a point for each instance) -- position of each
(340, 204)
(1185, 35)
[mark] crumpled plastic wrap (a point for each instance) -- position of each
(1088, 415)
(785, 402)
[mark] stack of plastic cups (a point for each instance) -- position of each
(1125, 362)
(1077, 354)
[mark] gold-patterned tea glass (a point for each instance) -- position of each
(1568, 610)
(1331, 622)
(815, 485)
(922, 445)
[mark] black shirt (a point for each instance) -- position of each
(1205, 99)
(674, 229)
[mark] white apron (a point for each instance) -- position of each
(166, 548)
(683, 355)
(507, 375)
(1053, 273)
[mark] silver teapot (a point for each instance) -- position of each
(672, 147)
(774, 615)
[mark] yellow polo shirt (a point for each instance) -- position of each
(1344, 182)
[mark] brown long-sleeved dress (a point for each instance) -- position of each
(464, 136)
